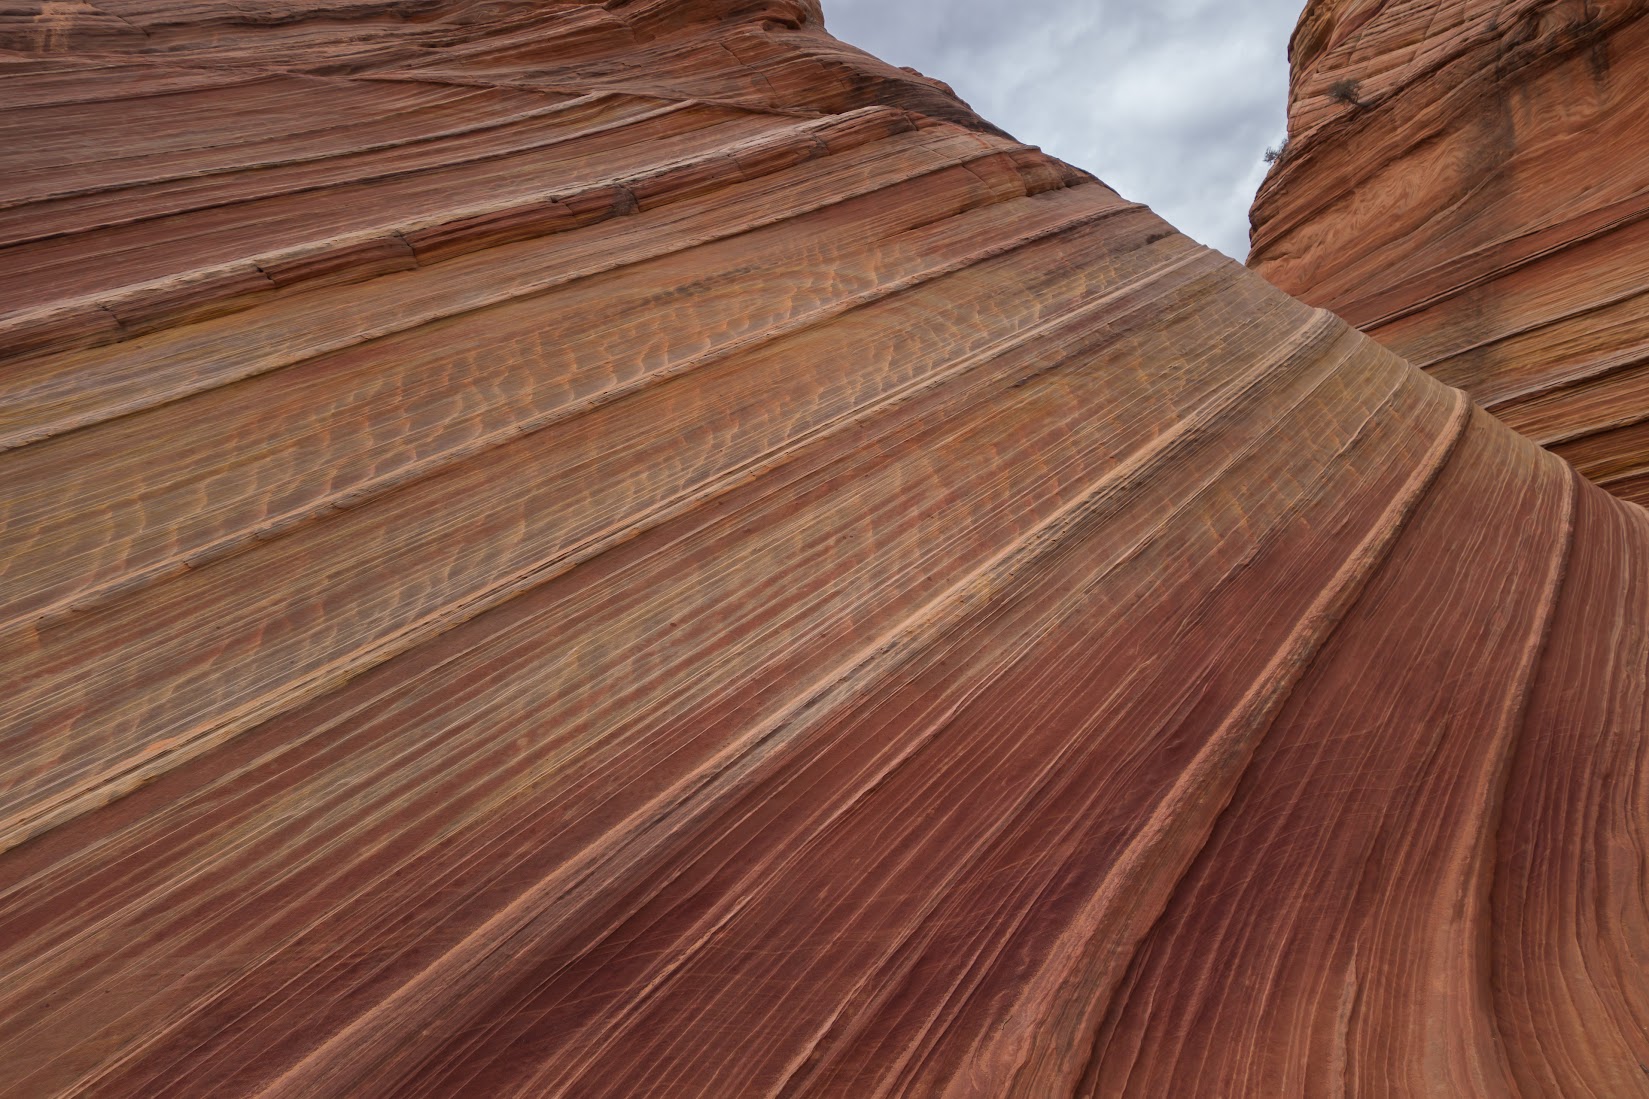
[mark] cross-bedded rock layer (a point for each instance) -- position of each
(618, 550)
(1469, 184)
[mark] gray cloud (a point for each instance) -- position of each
(1172, 102)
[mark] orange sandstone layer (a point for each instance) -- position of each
(1469, 184)
(608, 550)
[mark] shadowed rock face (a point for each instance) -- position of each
(632, 550)
(1469, 184)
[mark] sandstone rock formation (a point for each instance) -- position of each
(631, 550)
(1469, 183)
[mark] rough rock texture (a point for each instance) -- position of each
(1469, 183)
(631, 550)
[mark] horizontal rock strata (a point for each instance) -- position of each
(1469, 183)
(631, 550)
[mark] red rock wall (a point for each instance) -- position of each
(1469, 183)
(715, 581)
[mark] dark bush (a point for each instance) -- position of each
(1346, 91)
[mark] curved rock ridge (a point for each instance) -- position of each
(1469, 183)
(608, 550)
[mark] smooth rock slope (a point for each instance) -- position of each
(632, 550)
(1469, 183)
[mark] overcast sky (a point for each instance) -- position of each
(1172, 102)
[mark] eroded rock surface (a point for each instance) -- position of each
(631, 550)
(1469, 183)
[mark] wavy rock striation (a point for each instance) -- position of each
(630, 549)
(1469, 183)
